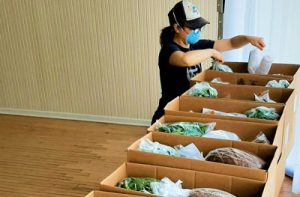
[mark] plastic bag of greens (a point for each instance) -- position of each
(167, 188)
(190, 151)
(186, 128)
(138, 184)
(203, 89)
(261, 138)
(221, 67)
(218, 80)
(220, 113)
(262, 112)
(222, 135)
(209, 192)
(280, 84)
(154, 147)
(264, 97)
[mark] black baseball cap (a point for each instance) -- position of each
(186, 14)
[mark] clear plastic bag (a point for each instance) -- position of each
(222, 135)
(280, 84)
(261, 138)
(220, 113)
(263, 112)
(186, 128)
(209, 192)
(218, 80)
(265, 65)
(154, 147)
(235, 156)
(254, 60)
(221, 67)
(264, 97)
(167, 188)
(203, 89)
(190, 151)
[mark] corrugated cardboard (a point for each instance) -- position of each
(191, 179)
(108, 194)
(183, 105)
(280, 174)
(246, 92)
(268, 153)
(238, 78)
(247, 131)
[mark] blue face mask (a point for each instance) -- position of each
(193, 37)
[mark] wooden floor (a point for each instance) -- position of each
(49, 157)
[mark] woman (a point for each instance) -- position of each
(182, 51)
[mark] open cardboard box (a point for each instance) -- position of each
(193, 106)
(108, 194)
(288, 71)
(268, 153)
(247, 131)
(238, 78)
(246, 92)
(240, 187)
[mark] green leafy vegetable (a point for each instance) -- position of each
(137, 184)
(203, 89)
(262, 113)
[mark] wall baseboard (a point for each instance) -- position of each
(72, 116)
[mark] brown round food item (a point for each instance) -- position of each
(235, 156)
(209, 192)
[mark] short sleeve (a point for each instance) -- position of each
(204, 44)
(166, 52)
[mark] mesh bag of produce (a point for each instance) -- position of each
(235, 156)
(209, 192)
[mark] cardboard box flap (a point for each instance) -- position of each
(108, 194)
(236, 78)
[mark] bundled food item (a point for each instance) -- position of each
(186, 128)
(218, 80)
(189, 151)
(280, 84)
(263, 112)
(235, 156)
(138, 184)
(209, 192)
(255, 57)
(203, 89)
(261, 138)
(222, 135)
(264, 97)
(221, 67)
(265, 65)
(220, 113)
(154, 147)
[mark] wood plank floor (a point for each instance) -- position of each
(50, 157)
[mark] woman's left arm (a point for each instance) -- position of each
(238, 42)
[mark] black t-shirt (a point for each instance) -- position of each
(175, 80)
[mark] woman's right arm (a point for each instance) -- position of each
(192, 58)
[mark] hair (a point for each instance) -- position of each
(167, 35)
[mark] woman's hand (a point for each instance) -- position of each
(217, 56)
(257, 42)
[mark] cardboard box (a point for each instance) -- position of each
(193, 106)
(286, 70)
(279, 178)
(246, 92)
(268, 153)
(108, 194)
(246, 131)
(238, 78)
(191, 179)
